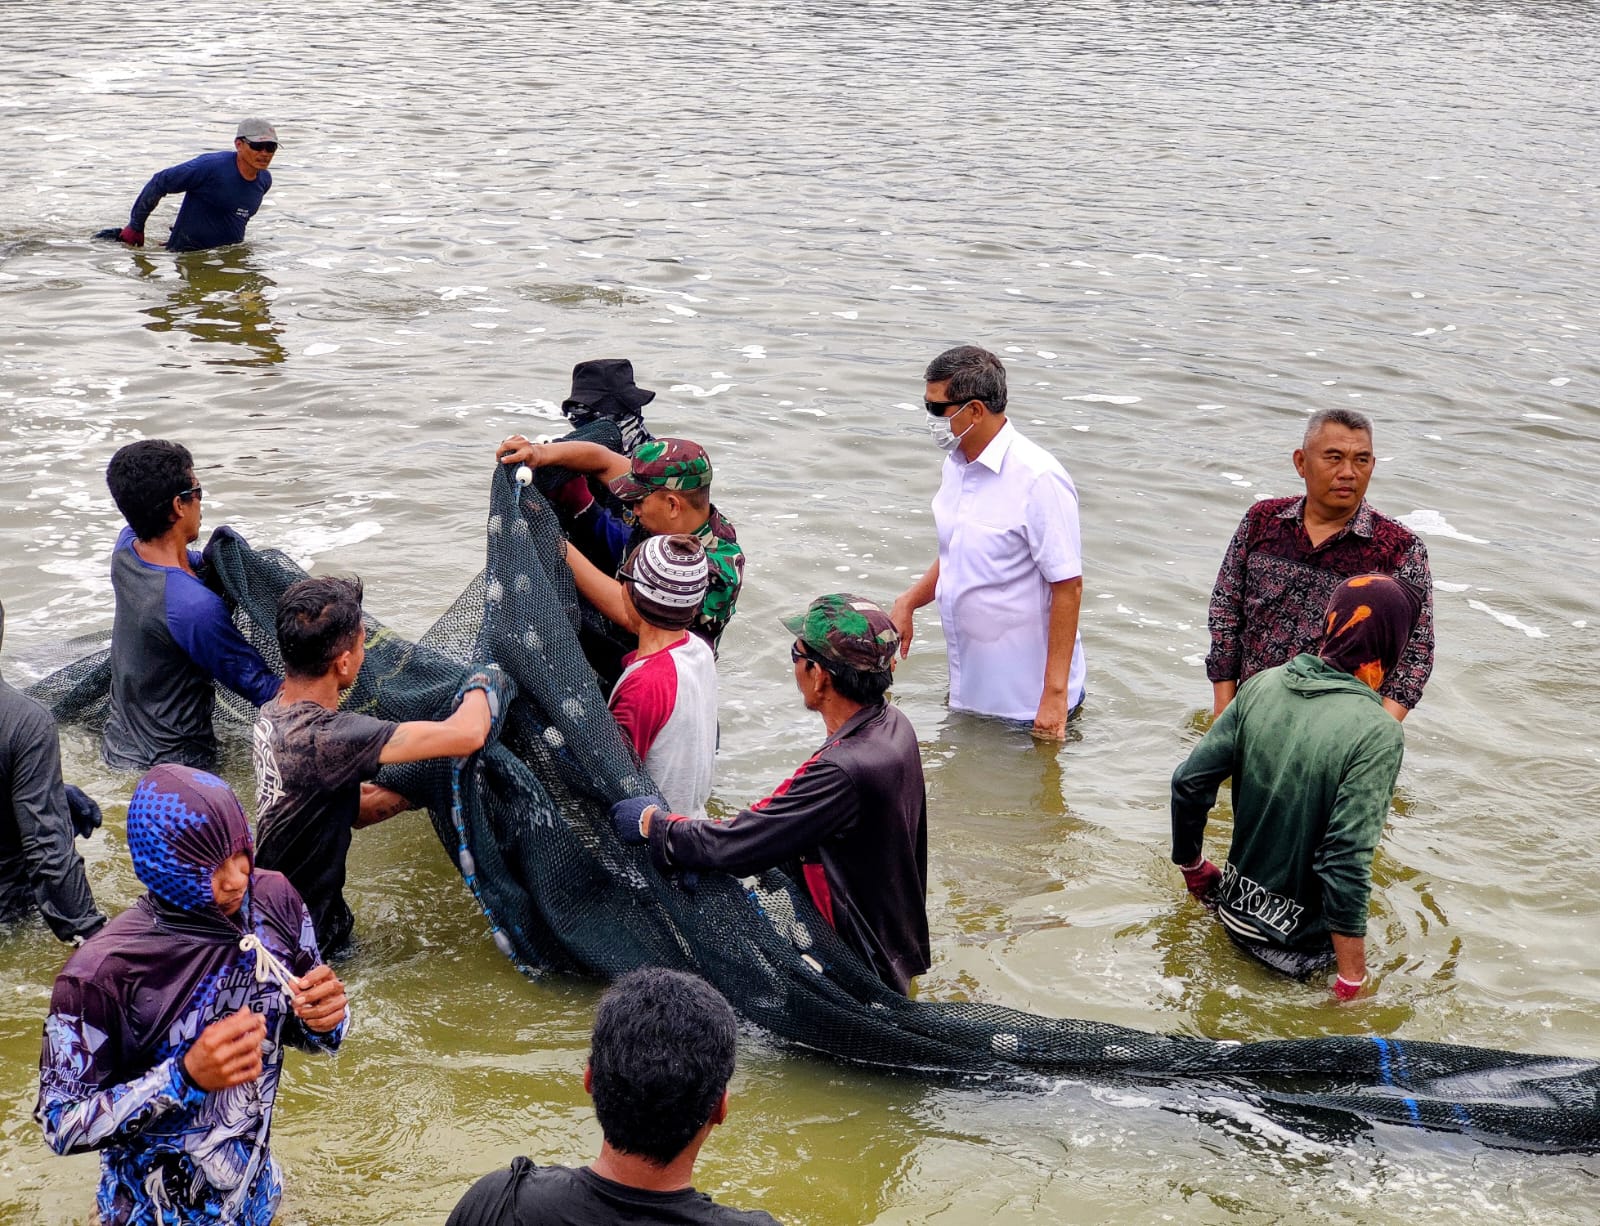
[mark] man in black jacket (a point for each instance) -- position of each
(854, 814)
(39, 866)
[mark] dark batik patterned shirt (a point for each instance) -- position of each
(1273, 590)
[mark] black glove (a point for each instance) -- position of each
(627, 814)
(85, 813)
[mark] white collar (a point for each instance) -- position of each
(994, 455)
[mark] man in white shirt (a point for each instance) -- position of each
(1009, 575)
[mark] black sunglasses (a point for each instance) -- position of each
(262, 146)
(797, 653)
(937, 407)
(194, 491)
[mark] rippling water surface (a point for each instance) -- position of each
(1184, 226)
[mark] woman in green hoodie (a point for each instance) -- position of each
(1313, 756)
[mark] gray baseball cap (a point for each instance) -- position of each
(255, 129)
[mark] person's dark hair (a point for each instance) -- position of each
(699, 499)
(972, 374)
(1348, 418)
(661, 1056)
(318, 619)
(858, 685)
(144, 478)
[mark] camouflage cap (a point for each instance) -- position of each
(664, 464)
(848, 630)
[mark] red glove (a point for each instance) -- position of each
(134, 238)
(1345, 990)
(1201, 879)
(573, 497)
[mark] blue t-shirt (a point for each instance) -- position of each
(170, 639)
(217, 201)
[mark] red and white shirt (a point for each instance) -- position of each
(666, 705)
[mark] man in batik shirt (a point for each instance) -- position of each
(1289, 554)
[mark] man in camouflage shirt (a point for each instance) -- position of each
(667, 489)
(852, 821)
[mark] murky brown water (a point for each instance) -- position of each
(1184, 226)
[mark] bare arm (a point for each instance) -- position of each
(909, 601)
(462, 734)
(379, 804)
(600, 590)
(1066, 602)
(1222, 693)
(1396, 709)
(1352, 955)
(590, 459)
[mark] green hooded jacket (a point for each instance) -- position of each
(1313, 756)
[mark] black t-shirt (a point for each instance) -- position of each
(529, 1195)
(309, 764)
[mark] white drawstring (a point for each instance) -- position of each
(268, 968)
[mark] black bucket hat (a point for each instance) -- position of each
(602, 379)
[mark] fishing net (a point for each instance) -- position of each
(526, 822)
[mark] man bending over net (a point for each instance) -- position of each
(1313, 756)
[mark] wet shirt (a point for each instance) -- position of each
(218, 201)
(855, 817)
(39, 864)
(309, 765)
(1273, 588)
(171, 637)
(529, 1195)
(125, 1011)
(1313, 756)
(1008, 529)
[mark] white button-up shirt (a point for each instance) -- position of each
(1008, 528)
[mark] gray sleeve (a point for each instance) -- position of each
(54, 868)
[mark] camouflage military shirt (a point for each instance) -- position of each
(727, 576)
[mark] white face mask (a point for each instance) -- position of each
(944, 438)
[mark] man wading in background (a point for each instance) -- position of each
(221, 193)
(1289, 554)
(1009, 575)
(1313, 759)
